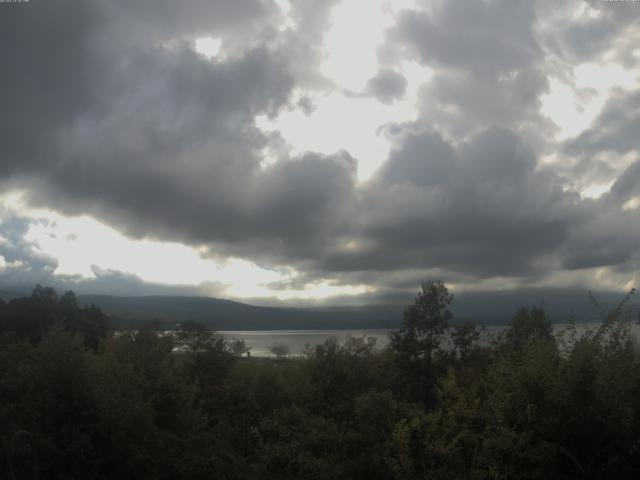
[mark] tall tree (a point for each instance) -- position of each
(424, 325)
(529, 325)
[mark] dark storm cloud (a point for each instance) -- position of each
(615, 129)
(628, 184)
(121, 119)
(597, 154)
(72, 63)
(289, 210)
(107, 110)
(481, 208)
(488, 208)
(609, 238)
(197, 17)
(486, 61)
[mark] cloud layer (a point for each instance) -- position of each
(109, 110)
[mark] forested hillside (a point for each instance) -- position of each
(77, 402)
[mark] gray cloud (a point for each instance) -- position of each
(25, 264)
(627, 185)
(472, 35)
(585, 37)
(481, 208)
(109, 111)
(157, 139)
(599, 154)
(608, 238)
(615, 129)
(488, 65)
(387, 86)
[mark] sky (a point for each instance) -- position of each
(307, 151)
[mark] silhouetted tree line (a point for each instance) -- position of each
(80, 402)
(31, 317)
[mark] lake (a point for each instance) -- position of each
(296, 340)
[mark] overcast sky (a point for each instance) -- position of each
(308, 150)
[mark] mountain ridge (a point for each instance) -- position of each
(482, 308)
(223, 314)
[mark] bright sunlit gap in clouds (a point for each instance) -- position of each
(208, 46)
(346, 118)
(351, 43)
(82, 244)
(338, 123)
(574, 108)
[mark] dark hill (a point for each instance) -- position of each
(228, 315)
(484, 308)
(7, 295)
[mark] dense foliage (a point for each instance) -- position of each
(80, 402)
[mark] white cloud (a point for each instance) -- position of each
(285, 5)
(208, 46)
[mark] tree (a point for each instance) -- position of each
(69, 301)
(195, 337)
(279, 350)
(529, 325)
(44, 294)
(238, 347)
(425, 322)
(360, 346)
(463, 338)
(416, 342)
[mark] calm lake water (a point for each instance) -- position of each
(296, 340)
